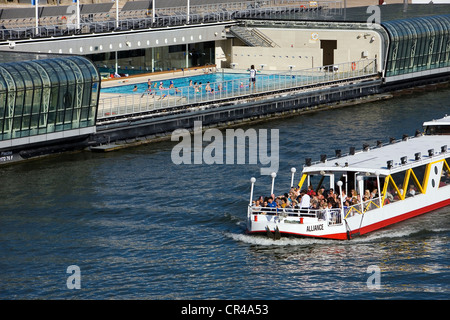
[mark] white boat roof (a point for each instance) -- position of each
(443, 121)
(375, 159)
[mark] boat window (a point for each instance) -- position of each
(437, 130)
(445, 177)
(391, 191)
(318, 181)
(408, 183)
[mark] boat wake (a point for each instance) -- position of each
(377, 236)
(284, 241)
(392, 234)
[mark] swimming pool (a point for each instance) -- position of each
(219, 84)
(179, 82)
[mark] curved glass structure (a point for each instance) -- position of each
(48, 95)
(418, 44)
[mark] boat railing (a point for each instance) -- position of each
(332, 216)
(362, 207)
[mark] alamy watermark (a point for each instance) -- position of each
(74, 280)
(374, 280)
(237, 146)
(374, 20)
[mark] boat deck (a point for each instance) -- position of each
(376, 158)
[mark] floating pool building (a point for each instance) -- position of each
(46, 104)
(308, 54)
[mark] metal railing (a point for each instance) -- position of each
(332, 216)
(15, 29)
(163, 99)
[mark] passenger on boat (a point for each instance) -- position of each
(314, 203)
(257, 206)
(343, 195)
(311, 191)
(294, 204)
(445, 179)
(331, 194)
(374, 194)
(305, 200)
(320, 194)
(389, 195)
(271, 203)
(329, 212)
(354, 197)
(411, 191)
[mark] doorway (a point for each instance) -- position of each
(328, 47)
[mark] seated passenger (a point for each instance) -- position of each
(271, 203)
(294, 204)
(411, 191)
(374, 194)
(257, 207)
(329, 212)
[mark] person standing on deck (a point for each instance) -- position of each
(252, 76)
(305, 201)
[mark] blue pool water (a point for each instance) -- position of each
(223, 82)
(180, 82)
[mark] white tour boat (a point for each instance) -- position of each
(380, 186)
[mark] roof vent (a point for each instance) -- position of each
(417, 156)
(365, 147)
(390, 163)
(352, 151)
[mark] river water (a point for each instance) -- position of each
(140, 227)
